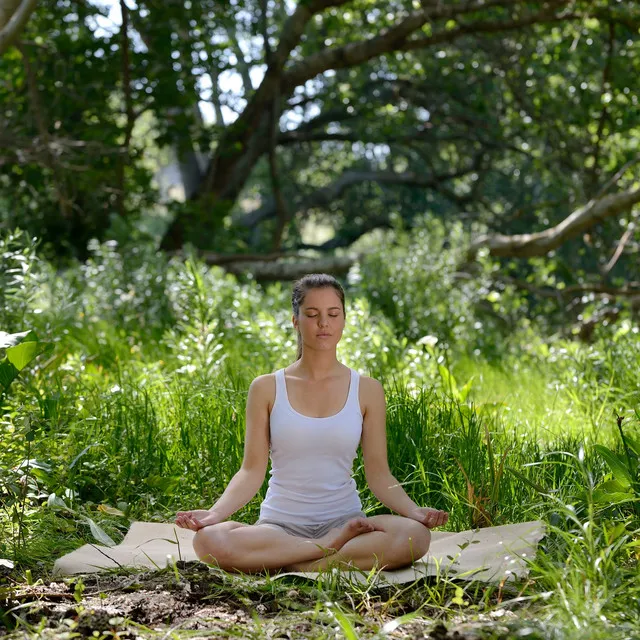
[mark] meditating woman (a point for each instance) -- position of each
(311, 416)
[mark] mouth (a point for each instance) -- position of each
(323, 335)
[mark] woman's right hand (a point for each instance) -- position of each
(197, 519)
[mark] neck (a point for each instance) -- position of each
(318, 365)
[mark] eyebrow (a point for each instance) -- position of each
(316, 308)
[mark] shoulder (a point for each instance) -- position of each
(371, 384)
(371, 393)
(263, 388)
(263, 381)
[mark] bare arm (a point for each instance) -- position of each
(382, 483)
(249, 478)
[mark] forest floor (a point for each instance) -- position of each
(194, 601)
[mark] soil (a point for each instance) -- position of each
(197, 597)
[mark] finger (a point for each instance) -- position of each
(186, 523)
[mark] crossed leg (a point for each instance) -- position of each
(385, 541)
(397, 542)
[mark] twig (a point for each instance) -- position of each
(619, 249)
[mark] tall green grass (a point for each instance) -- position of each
(139, 413)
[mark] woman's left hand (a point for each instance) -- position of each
(429, 517)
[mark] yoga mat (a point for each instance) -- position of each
(491, 554)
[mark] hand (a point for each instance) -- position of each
(196, 519)
(430, 518)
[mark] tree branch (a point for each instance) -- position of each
(274, 129)
(267, 268)
(326, 195)
(527, 245)
(242, 65)
(617, 175)
(631, 289)
(50, 162)
(128, 103)
(393, 39)
(619, 249)
(288, 271)
(494, 26)
(296, 137)
(253, 122)
(13, 21)
(348, 238)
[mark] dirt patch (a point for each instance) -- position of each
(197, 597)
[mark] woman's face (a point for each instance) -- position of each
(321, 319)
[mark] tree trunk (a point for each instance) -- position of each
(245, 141)
(13, 18)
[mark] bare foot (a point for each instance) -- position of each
(337, 538)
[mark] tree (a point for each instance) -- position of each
(509, 114)
(13, 17)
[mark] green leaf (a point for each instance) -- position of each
(98, 533)
(615, 531)
(611, 491)
(449, 381)
(633, 444)
(22, 354)
(8, 373)
(535, 485)
(464, 392)
(164, 483)
(611, 498)
(616, 464)
(26, 347)
(56, 501)
(346, 626)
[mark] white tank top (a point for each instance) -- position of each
(312, 460)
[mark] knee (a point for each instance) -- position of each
(211, 544)
(415, 538)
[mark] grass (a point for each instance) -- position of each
(131, 422)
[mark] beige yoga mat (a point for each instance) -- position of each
(490, 554)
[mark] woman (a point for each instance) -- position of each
(311, 517)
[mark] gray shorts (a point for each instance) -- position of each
(312, 530)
